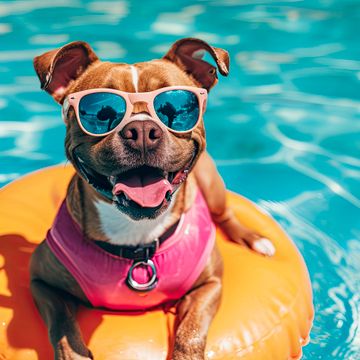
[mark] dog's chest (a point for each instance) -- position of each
(121, 230)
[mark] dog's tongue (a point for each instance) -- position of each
(147, 190)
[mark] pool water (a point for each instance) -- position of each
(284, 127)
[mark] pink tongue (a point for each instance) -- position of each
(147, 190)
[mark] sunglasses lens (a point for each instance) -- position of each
(177, 109)
(101, 112)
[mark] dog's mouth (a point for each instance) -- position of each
(147, 187)
(142, 192)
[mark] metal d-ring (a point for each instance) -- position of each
(146, 286)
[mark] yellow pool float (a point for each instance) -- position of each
(266, 311)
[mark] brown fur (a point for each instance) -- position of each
(55, 291)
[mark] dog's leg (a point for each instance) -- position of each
(213, 189)
(194, 315)
(58, 310)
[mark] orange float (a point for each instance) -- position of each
(266, 311)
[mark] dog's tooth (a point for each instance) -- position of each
(126, 197)
(170, 176)
(112, 179)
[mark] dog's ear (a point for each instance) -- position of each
(188, 53)
(57, 68)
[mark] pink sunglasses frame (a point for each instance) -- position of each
(130, 99)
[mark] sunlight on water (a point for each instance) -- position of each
(289, 113)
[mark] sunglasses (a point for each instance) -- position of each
(100, 111)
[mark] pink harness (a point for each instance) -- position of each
(103, 277)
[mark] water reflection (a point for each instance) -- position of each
(101, 112)
(177, 109)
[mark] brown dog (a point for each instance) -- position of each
(141, 147)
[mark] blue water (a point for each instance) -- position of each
(284, 128)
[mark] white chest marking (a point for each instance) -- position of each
(121, 230)
(135, 77)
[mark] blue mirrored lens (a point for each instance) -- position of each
(101, 112)
(177, 109)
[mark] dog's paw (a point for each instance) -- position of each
(187, 355)
(246, 237)
(64, 351)
(263, 246)
(79, 357)
(70, 355)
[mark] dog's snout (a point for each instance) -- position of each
(142, 135)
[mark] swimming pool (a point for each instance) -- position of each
(284, 127)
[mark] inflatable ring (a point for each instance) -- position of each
(266, 311)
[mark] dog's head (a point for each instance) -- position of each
(141, 163)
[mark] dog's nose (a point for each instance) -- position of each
(142, 135)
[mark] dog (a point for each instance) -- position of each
(135, 136)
